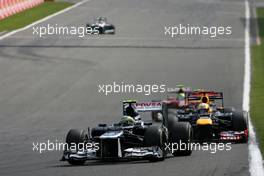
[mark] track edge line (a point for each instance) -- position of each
(255, 157)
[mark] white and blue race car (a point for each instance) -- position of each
(131, 138)
(100, 26)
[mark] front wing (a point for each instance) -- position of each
(129, 153)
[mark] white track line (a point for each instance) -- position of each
(255, 158)
(43, 19)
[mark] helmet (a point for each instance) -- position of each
(127, 121)
(181, 96)
(205, 99)
(130, 111)
(203, 108)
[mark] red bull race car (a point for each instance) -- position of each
(211, 121)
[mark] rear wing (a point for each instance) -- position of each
(142, 106)
(197, 96)
(176, 90)
(148, 106)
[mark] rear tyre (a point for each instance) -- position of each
(172, 118)
(154, 137)
(75, 137)
(113, 27)
(239, 123)
(181, 135)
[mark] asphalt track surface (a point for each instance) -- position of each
(49, 85)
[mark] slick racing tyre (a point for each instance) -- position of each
(75, 137)
(113, 28)
(154, 137)
(172, 118)
(181, 135)
(239, 122)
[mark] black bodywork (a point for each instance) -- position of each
(142, 140)
(221, 124)
(100, 26)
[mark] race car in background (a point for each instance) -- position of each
(176, 98)
(211, 121)
(101, 26)
(130, 138)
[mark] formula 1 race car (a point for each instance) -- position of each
(175, 99)
(176, 96)
(100, 26)
(211, 121)
(131, 138)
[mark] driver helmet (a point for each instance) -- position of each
(127, 121)
(205, 99)
(203, 108)
(130, 111)
(181, 94)
(100, 19)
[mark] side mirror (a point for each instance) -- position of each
(157, 116)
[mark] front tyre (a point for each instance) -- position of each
(239, 121)
(76, 162)
(73, 138)
(154, 137)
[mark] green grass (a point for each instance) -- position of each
(29, 16)
(257, 90)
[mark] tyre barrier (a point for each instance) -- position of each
(11, 7)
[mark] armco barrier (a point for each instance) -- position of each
(10, 7)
